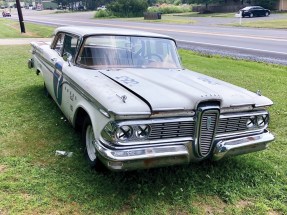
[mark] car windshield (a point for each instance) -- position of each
(128, 51)
(246, 8)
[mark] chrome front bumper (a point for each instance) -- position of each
(178, 153)
(242, 145)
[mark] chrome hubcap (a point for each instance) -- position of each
(90, 139)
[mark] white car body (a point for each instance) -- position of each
(143, 117)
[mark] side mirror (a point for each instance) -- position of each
(67, 57)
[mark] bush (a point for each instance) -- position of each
(269, 4)
(165, 9)
(128, 8)
(103, 14)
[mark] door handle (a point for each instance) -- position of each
(54, 59)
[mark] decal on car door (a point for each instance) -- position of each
(57, 82)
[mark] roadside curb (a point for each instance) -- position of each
(21, 41)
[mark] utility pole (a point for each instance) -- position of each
(20, 15)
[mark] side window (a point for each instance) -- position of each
(70, 45)
(59, 44)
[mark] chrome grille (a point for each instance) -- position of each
(232, 124)
(171, 130)
(207, 130)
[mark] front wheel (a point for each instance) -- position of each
(88, 139)
(267, 14)
(251, 15)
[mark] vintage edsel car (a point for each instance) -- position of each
(137, 107)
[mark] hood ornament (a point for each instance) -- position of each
(258, 92)
(123, 98)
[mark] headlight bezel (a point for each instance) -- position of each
(113, 132)
(260, 121)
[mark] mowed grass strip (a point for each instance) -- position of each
(165, 18)
(35, 181)
(276, 24)
(11, 29)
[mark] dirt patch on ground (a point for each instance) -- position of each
(210, 205)
(2, 212)
(243, 204)
(2, 169)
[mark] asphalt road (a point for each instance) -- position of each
(208, 35)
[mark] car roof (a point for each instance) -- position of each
(89, 30)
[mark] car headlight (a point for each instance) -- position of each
(258, 121)
(119, 132)
(251, 122)
(124, 132)
(142, 131)
(262, 120)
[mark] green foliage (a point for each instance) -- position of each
(269, 4)
(204, 2)
(166, 9)
(128, 8)
(175, 2)
(103, 14)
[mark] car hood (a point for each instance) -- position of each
(180, 89)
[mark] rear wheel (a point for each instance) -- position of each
(88, 138)
(267, 14)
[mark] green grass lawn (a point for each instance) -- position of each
(165, 18)
(35, 181)
(196, 14)
(276, 24)
(11, 29)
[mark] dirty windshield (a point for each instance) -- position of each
(128, 51)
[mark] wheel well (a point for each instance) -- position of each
(80, 117)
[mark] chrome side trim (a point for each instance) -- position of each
(86, 95)
(44, 61)
(41, 59)
(74, 85)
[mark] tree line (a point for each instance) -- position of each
(135, 7)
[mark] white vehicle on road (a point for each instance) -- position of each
(136, 107)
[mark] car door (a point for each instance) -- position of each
(64, 93)
(260, 11)
(64, 43)
(52, 57)
(254, 11)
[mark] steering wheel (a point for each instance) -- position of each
(150, 57)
